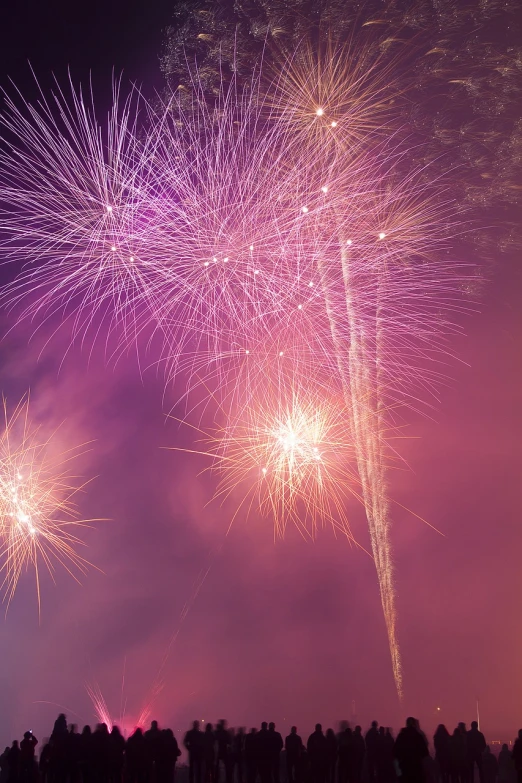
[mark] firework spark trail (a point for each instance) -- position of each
(37, 503)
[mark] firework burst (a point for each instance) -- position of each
(38, 513)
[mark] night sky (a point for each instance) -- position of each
(288, 631)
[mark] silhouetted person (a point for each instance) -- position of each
(13, 763)
(85, 755)
(100, 753)
(458, 756)
(263, 754)
(73, 754)
(442, 745)
(331, 751)
(357, 753)
(410, 751)
(239, 753)
(209, 753)
(223, 744)
(386, 755)
(275, 746)
(371, 741)
(4, 765)
(116, 755)
(153, 740)
(517, 756)
(193, 742)
(317, 749)
(59, 744)
(251, 755)
(136, 761)
(489, 766)
(506, 767)
(344, 746)
(27, 749)
(293, 750)
(168, 754)
(476, 745)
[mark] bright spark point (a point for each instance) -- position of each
(225, 259)
(382, 235)
(280, 353)
(207, 263)
(324, 189)
(109, 209)
(334, 124)
(300, 307)
(348, 241)
(319, 112)
(304, 209)
(113, 248)
(256, 272)
(310, 284)
(251, 247)
(131, 258)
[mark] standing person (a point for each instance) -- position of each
(13, 763)
(317, 750)
(517, 756)
(153, 741)
(263, 754)
(239, 753)
(458, 757)
(442, 745)
(27, 748)
(293, 750)
(116, 748)
(223, 742)
(490, 766)
(193, 742)
(251, 756)
(344, 743)
(357, 754)
(388, 767)
(4, 766)
(275, 746)
(136, 758)
(168, 755)
(380, 762)
(506, 767)
(84, 755)
(411, 750)
(331, 752)
(371, 742)
(476, 745)
(73, 754)
(209, 754)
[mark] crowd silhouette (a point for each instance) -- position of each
(261, 756)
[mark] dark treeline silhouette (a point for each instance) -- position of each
(261, 756)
